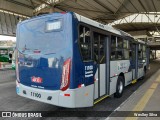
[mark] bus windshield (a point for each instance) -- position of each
(34, 36)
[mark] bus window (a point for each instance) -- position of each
(99, 48)
(113, 47)
(126, 54)
(129, 45)
(144, 48)
(130, 54)
(119, 54)
(144, 51)
(96, 46)
(102, 55)
(113, 54)
(140, 51)
(132, 51)
(125, 44)
(85, 43)
(126, 49)
(140, 54)
(113, 41)
(120, 48)
(119, 42)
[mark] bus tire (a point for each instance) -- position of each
(119, 87)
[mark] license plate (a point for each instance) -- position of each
(35, 94)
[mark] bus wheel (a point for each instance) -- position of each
(119, 87)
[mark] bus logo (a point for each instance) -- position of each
(36, 79)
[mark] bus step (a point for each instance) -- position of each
(134, 81)
(100, 99)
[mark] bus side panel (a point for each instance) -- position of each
(128, 78)
(80, 97)
(78, 70)
(102, 73)
(113, 82)
(96, 87)
(83, 94)
(140, 72)
(117, 67)
(102, 79)
(133, 73)
(140, 68)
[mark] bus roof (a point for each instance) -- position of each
(91, 22)
(141, 41)
(108, 28)
(97, 24)
(88, 21)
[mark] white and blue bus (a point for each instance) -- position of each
(68, 60)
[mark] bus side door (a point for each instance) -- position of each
(99, 46)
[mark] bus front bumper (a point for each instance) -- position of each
(71, 98)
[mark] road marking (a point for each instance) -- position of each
(158, 79)
(144, 100)
(142, 103)
(154, 86)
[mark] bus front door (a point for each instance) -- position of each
(134, 60)
(100, 60)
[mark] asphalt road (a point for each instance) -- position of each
(10, 101)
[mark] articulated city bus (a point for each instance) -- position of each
(68, 60)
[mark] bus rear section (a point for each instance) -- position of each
(44, 60)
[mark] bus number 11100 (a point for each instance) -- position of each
(38, 95)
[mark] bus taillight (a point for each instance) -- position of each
(66, 75)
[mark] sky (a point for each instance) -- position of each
(4, 38)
